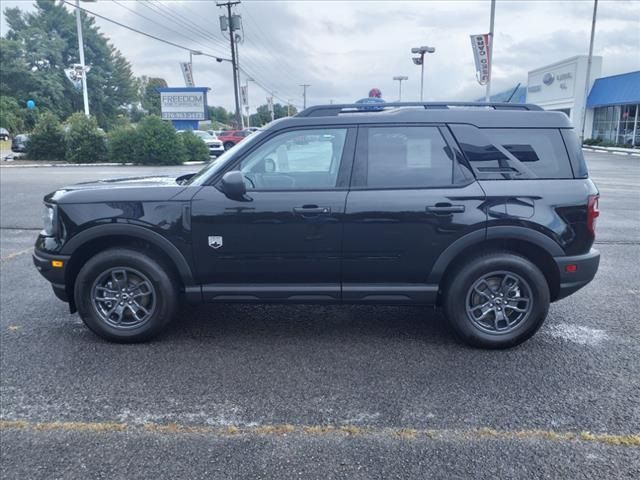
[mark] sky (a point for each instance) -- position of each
(343, 49)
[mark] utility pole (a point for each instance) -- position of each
(487, 95)
(304, 94)
(85, 95)
(588, 80)
(400, 78)
(229, 24)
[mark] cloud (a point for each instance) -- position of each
(345, 48)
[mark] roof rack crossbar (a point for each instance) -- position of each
(336, 109)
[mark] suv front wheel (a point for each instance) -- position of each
(497, 300)
(125, 296)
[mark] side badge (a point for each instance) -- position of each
(215, 241)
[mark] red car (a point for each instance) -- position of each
(229, 138)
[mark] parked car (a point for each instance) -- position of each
(213, 143)
(230, 138)
(4, 134)
(487, 213)
(19, 143)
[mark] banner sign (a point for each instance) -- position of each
(187, 104)
(244, 100)
(187, 73)
(480, 46)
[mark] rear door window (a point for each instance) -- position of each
(403, 157)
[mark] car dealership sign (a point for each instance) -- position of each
(480, 46)
(183, 103)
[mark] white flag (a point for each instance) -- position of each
(480, 46)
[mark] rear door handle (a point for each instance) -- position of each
(311, 210)
(445, 209)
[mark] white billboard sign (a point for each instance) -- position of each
(185, 105)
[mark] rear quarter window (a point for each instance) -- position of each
(514, 153)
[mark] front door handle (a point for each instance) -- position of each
(311, 210)
(445, 209)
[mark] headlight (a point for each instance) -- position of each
(49, 220)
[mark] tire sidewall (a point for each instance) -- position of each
(455, 303)
(165, 291)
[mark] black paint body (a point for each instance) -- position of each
(355, 244)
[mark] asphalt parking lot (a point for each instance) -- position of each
(319, 392)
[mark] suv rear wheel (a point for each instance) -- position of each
(125, 296)
(497, 300)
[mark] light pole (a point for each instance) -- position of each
(588, 79)
(400, 78)
(85, 95)
(420, 61)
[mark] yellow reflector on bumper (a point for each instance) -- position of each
(57, 263)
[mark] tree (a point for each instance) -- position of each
(11, 115)
(38, 47)
(263, 115)
(220, 115)
(149, 95)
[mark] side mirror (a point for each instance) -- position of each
(233, 185)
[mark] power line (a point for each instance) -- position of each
(168, 42)
(219, 58)
(157, 24)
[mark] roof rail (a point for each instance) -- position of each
(335, 110)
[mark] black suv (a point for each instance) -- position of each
(486, 210)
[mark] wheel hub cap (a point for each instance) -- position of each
(499, 302)
(123, 297)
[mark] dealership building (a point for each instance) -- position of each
(613, 102)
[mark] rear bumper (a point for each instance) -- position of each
(54, 275)
(586, 267)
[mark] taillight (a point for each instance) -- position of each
(592, 213)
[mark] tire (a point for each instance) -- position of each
(228, 145)
(496, 322)
(146, 306)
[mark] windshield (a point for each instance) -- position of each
(219, 164)
(202, 134)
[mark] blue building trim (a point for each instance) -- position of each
(623, 89)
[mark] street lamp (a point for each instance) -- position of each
(400, 78)
(85, 95)
(420, 61)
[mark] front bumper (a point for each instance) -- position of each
(215, 150)
(585, 269)
(55, 275)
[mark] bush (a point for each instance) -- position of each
(47, 140)
(121, 144)
(85, 142)
(195, 148)
(592, 141)
(157, 143)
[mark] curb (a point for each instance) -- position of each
(613, 150)
(71, 165)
